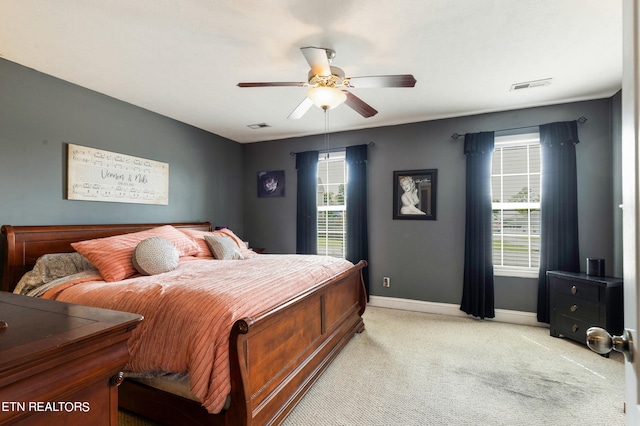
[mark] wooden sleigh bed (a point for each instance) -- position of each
(274, 356)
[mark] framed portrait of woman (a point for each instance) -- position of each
(414, 194)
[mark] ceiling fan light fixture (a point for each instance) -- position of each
(325, 97)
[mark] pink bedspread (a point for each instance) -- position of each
(190, 311)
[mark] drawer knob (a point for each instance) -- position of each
(573, 308)
(574, 289)
(574, 328)
(117, 379)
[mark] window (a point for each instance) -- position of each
(332, 207)
(515, 193)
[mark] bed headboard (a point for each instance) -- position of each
(23, 245)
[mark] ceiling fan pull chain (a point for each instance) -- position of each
(326, 130)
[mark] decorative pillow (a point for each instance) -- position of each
(154, 256)
(244, 250)
(50, 267)
(223, 247)
(228, 232)
(112, 255)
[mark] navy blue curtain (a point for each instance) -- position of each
(307, 212)
(357, 230)
(477, 291)
(558, 207)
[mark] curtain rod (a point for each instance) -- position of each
(332, 149)
(456, 136)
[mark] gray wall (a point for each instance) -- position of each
(424, 259)
(40, 114)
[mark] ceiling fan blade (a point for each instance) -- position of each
(274, 84)
(317, 59)
(301, 109)
(359, 106)
(402, 80)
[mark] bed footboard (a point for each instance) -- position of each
(280, 355)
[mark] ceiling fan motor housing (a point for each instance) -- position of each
(336, 79)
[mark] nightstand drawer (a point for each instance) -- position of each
(572, 328)
(575, 307)
(577, 289)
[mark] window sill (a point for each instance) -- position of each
(502, 271)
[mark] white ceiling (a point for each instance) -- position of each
(183, 58)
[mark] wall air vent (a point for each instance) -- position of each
(531, 84)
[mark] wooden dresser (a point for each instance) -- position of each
(61, 363)
(579, 301)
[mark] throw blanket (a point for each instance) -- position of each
(189, 312)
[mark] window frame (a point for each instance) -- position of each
(505, 141)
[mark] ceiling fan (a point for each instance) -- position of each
(328, 85)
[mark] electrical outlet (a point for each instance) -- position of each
(386, 282)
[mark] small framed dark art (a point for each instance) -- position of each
(271, 184)
(414, 194)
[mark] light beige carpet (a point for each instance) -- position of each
(411, 368)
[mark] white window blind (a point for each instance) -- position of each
(332, 207)
(515, 187)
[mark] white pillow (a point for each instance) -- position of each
(155, 255)
(223, 247)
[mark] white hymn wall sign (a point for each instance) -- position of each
(98, 175)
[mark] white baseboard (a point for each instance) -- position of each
(502, 315)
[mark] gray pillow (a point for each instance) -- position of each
(155, 255)
(223, 247)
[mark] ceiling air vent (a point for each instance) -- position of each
(258, 126)
(531, 84)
